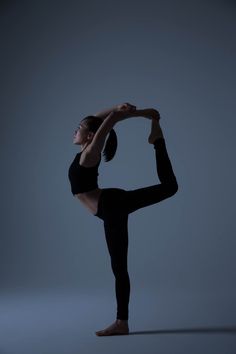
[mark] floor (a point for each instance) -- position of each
(65, 322)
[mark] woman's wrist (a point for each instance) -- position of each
(122, 115)
(150, 113)
(146, 113)
(139, 113)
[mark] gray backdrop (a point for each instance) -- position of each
(63, 60)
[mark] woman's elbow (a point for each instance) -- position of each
(174, 187)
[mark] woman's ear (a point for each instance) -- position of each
(90, 135)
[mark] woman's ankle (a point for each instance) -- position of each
(160, 141)
(121, 321)
(156, 132)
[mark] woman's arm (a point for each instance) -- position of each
(105, 113)
(97, 144)
(124, 107)
(147, 113)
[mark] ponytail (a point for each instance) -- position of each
(111, 146)
(93, 123)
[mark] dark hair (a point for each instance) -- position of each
(93, 123)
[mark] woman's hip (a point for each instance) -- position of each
(111, 203)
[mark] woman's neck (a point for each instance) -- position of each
(83, 147)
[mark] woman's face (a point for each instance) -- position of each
(81, 134)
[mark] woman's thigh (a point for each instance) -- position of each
(115, 203)
(143, 197)
(112, 210)
(111, 204)
(116, 233)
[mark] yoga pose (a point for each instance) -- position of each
(96, 135)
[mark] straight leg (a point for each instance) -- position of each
(115, 219)
(116, 232)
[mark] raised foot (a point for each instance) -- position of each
(156, 132)
(116, 328)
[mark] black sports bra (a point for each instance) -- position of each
(82, 179)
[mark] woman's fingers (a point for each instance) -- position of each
(126, 107)
(132, 107)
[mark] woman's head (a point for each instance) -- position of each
(86, 131)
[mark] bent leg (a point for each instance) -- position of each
(116, 232)
(142, 197)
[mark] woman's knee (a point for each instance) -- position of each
(119, 265)
(120, 272)
(172, 187)
(175, 186)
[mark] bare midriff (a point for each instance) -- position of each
(90, 199)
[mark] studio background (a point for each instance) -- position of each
(63, 60)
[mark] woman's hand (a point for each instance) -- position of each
(123, 108)
(151, 113)
(126, 108)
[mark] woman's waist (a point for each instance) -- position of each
(93, 194)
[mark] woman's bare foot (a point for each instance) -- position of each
(117, 328)
(156, 131)
(151, 113)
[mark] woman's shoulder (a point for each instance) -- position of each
(88, 159)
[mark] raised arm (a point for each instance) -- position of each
(105, 113)
(97, 144)
(147, 113)
(124, 107)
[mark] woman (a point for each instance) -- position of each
(113, 205)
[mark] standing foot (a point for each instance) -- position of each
(119, 327)
(156, 131)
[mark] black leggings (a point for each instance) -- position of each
(116, 204)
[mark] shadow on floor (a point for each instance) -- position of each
(203, 330)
